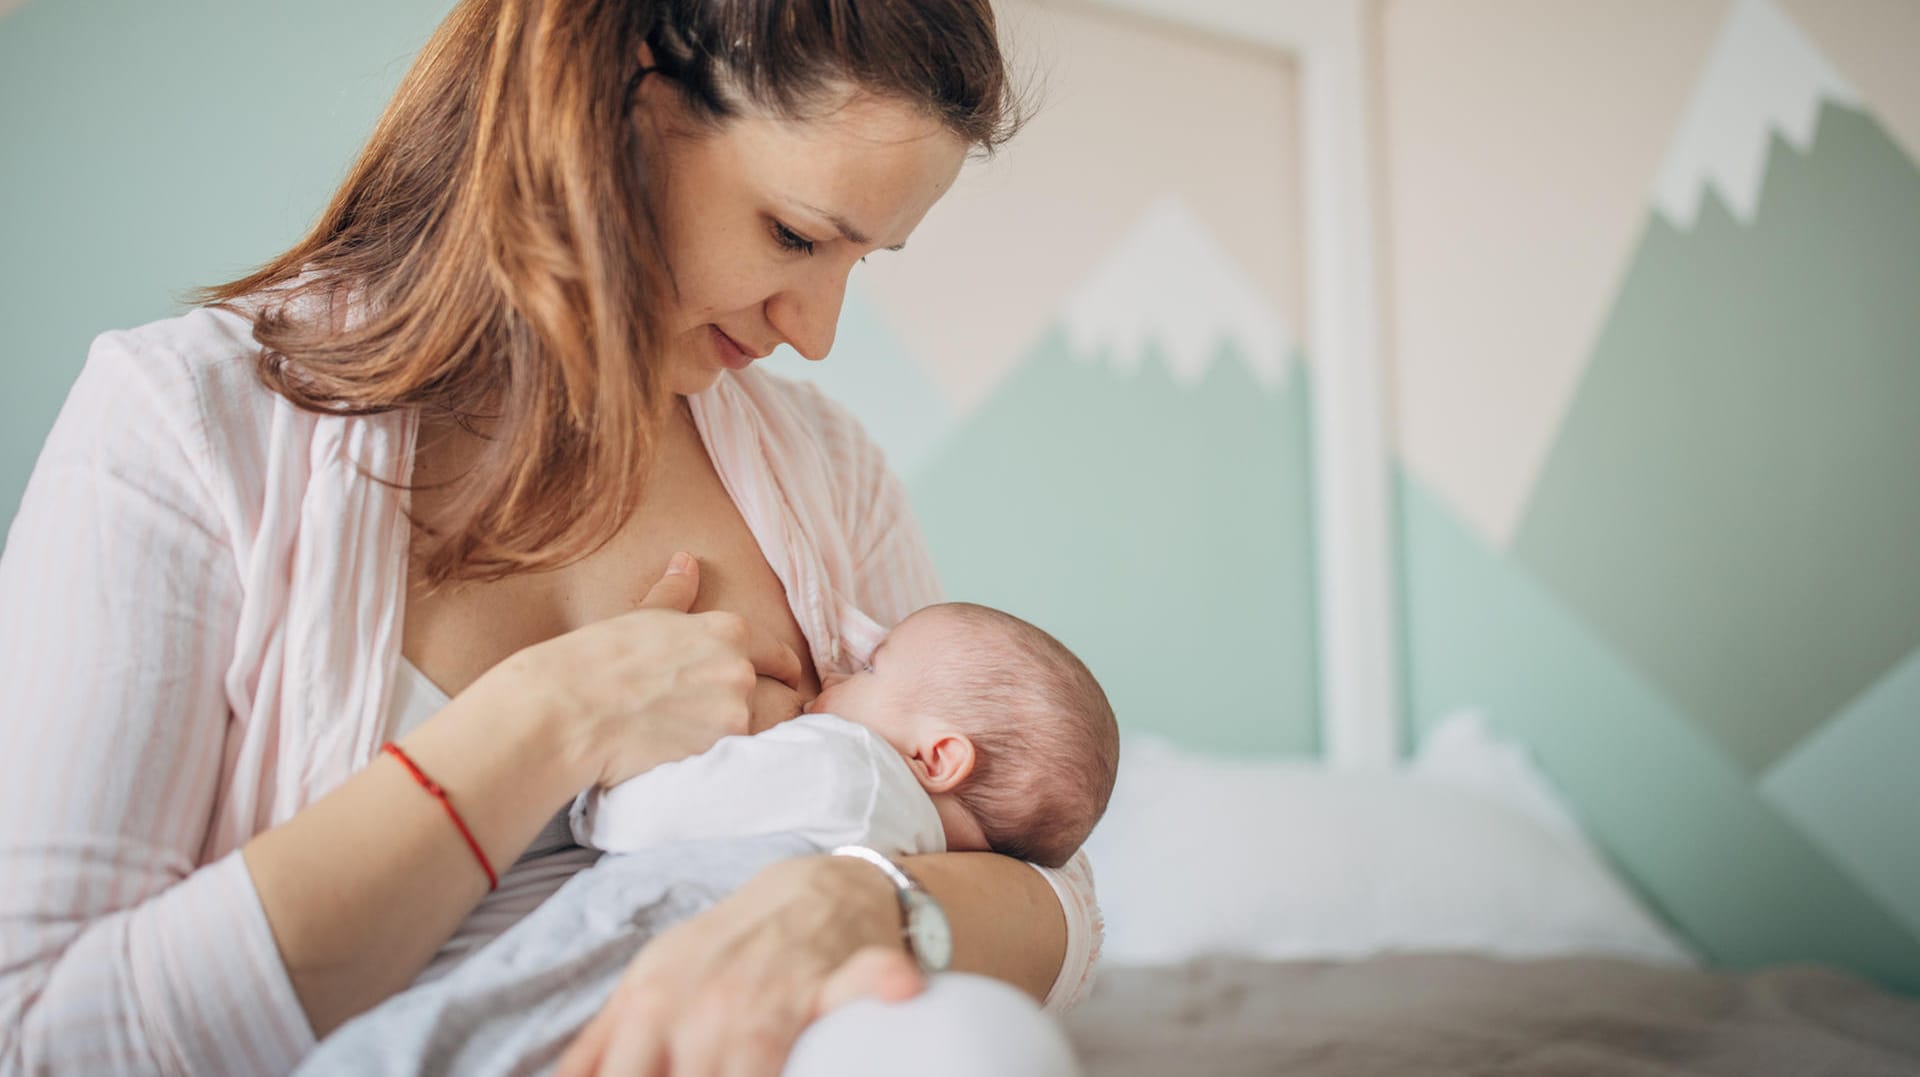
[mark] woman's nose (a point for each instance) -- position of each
(807, 317)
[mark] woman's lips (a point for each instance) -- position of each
(732, 355)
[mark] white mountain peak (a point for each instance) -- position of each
(1762, 77)
(1172, 285)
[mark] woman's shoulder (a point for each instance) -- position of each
(180, 393)
(204, 358)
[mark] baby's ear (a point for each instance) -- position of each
(945, 762)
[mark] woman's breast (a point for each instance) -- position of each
(459, 633)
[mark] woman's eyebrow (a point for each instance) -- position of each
(846, 230)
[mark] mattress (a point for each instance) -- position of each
(1457, 1014)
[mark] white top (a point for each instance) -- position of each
(829, 780)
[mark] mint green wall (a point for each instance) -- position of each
(153, 147)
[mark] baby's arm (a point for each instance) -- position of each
(817, 776)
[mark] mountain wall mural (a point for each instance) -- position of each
(1139, 485)
(1707, 624)
(1734, 498)
(1163, 531)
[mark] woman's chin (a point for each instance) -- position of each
(690, 379)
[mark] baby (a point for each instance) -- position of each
(968, 729)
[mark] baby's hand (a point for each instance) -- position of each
(773, 702)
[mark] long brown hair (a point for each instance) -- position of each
(495, 242)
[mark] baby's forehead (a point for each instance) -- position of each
(927, 637)
(941, 625)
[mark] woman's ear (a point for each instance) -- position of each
(944, 762)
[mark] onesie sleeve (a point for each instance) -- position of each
(818, 777)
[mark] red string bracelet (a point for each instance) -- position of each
(431, 786)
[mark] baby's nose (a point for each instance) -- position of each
(830, 678)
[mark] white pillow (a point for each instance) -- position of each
(1289, 861)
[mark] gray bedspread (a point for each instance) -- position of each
(1448, 1014)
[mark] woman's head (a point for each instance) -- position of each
(761, 220)
(564, 198)
(794, 139)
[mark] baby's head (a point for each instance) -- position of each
(1004, 727)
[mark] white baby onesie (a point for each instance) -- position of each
(819, 776)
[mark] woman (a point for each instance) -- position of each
(459, 438)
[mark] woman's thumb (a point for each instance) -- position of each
(676, 589)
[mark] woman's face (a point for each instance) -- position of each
(763, 220)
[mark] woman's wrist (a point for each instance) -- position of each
(854, 894)
(506, 708)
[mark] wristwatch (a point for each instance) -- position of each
(928, 937)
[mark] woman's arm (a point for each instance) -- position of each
(1007, 922)
(730, 990)
(119, 598)
(366, 884)
(363, 886)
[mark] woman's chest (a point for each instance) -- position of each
(459, 633)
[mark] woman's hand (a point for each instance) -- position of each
(629, 693)
(726, 993)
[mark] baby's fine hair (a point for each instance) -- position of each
(1046, 747)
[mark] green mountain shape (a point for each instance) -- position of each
(1733, 502)
(1675, 812)
(1850, 788)
(1162, 532)
(877, 378)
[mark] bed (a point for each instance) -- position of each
(1446, 1014)
(1446, 917)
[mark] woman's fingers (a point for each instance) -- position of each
(877, 972)
(582, 1056)
(761, 1042)
(772, 658)
(635, 1050)
(677, 587)
(726, 993)
(616, 1043)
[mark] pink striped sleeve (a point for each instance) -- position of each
(119, 953)
(893, 576)
(1073, 885)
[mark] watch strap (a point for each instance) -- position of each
(901, 880)
(913, 898)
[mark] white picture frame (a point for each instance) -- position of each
(1331, 42)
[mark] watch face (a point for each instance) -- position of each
(932, 939)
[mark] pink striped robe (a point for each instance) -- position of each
(200, 616)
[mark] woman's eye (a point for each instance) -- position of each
(791, 240)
